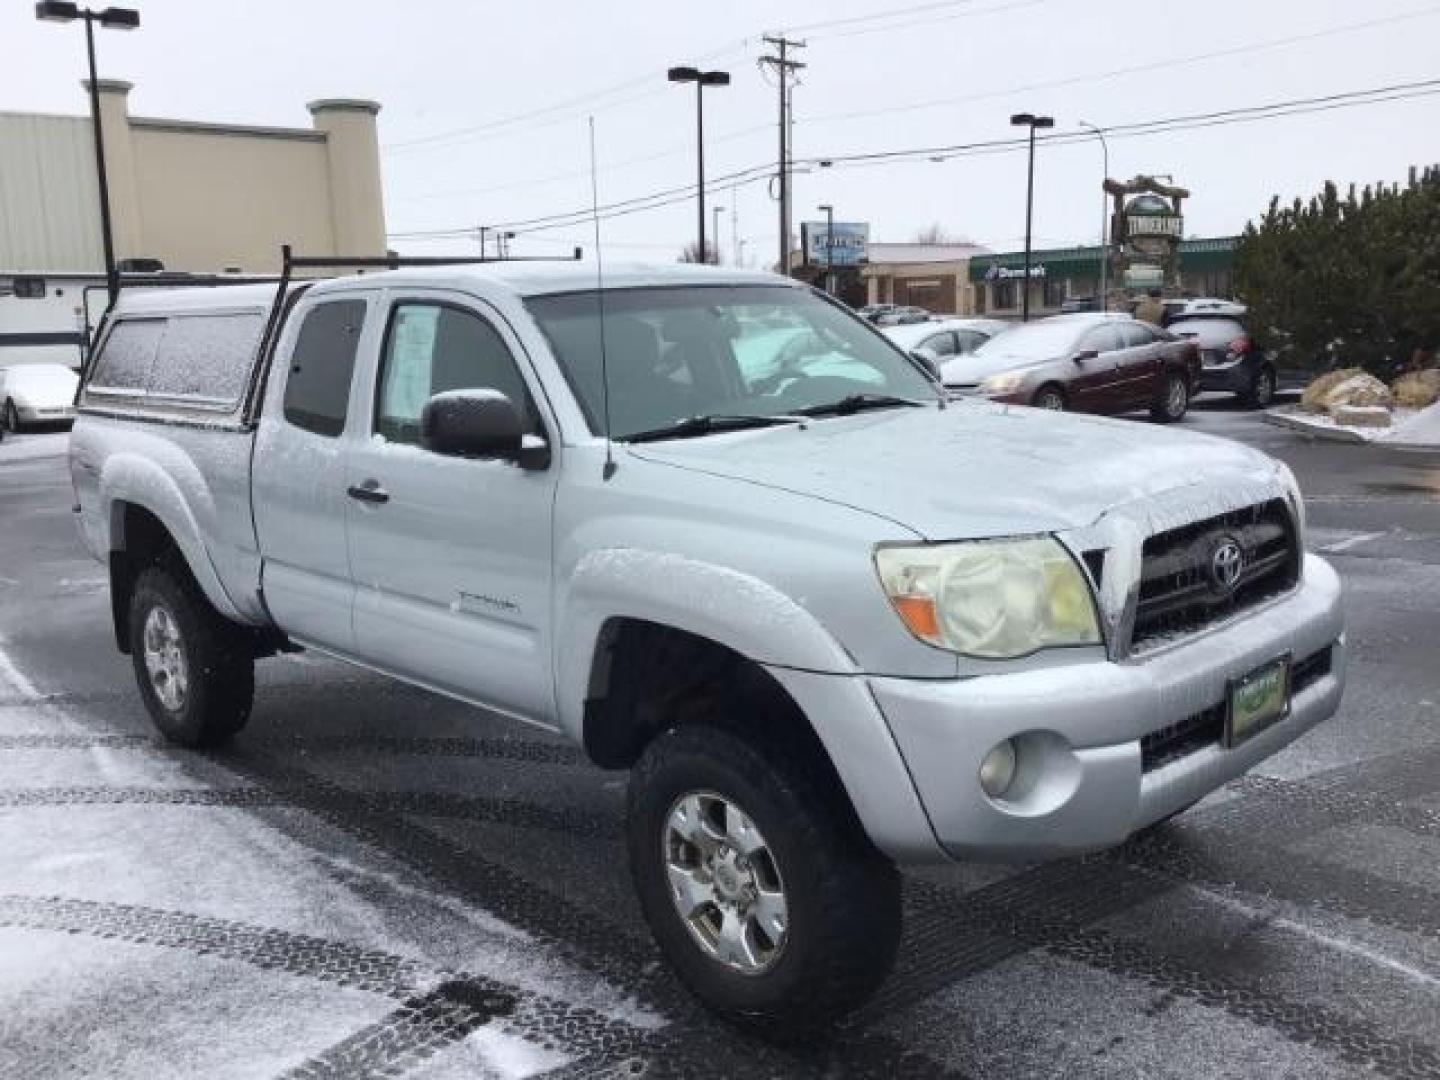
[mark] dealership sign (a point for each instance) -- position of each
(847, 243)
(1154, 225)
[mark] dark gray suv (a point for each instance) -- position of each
(1229, 358)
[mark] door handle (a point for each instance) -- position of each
(370, 491)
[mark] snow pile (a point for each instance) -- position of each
(1420, 429)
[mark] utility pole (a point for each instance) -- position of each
(784, 69)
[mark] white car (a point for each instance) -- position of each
(37, 394)
(946, 340)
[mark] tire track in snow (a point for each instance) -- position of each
(434, 1002)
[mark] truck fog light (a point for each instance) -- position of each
(997, 771)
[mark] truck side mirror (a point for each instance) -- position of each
(480, 423)
(1087, 354)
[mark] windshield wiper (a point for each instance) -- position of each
(853, 403)
(709, 424)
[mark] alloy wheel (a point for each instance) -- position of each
(1176, 399)
(165, 659)
(725, 882)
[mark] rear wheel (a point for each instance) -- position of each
(195, 668)
(1262, 389)
(766, 898)
(1049, 397)
(1173, 401)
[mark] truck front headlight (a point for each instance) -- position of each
(995, 599)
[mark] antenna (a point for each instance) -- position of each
(610, 466)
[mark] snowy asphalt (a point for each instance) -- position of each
(373, 881)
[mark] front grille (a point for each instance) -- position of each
(1207, 727)
(1180, 739)
(1309, 671)
(1179, 589)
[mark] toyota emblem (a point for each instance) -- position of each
(1227, 563)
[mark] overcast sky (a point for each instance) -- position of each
(454, 77)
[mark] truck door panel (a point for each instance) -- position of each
(452, 569)
(299, 472)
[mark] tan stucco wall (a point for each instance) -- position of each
(882, 278)
(210, 200)
(197, 196)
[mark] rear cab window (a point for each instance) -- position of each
(322, 364)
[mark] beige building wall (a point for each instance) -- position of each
(212, 198)
(197, 196)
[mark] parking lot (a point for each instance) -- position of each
(375, 881)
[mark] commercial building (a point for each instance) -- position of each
(1060, 274)
(930, 276)
(970, 280)
(187, 195)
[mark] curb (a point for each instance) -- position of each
(1285, 417)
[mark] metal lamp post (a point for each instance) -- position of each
(1104, 217)
(111, 19)
(1031, 121)
(715, 212)
(829, 212)
(701, 79)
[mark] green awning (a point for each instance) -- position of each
(1196, 256)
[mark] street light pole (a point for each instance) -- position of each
(1032, 122)
(1104, 217)
(701, 79)
(715, 212)
(113, 19)
(829, 247)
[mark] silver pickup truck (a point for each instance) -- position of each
(831, 622)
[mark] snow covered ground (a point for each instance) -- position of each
(375, 882)
(33, 446)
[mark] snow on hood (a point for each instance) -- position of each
(974, 469)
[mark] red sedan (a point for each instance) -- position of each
(1096, 363)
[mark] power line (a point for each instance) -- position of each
(1163, 125)
(1149, 66)
(1135, 69)
(561, 111)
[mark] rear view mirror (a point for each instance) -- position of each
(1087, 354)
(480, 423)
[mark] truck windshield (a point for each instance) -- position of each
(719, 351)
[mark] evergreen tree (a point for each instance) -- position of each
(1352, 280)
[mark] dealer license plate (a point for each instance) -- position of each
(1258, 700)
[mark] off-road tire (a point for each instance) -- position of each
(1261, 394)
(1046, 395)
(842, 895)
(1171, 404)
(218, 656)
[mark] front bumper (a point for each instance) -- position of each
(1081, 782)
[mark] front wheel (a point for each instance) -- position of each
(12, 418)
(766, 898)
(195, 668)
(1049, 397)
(1173, 401)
